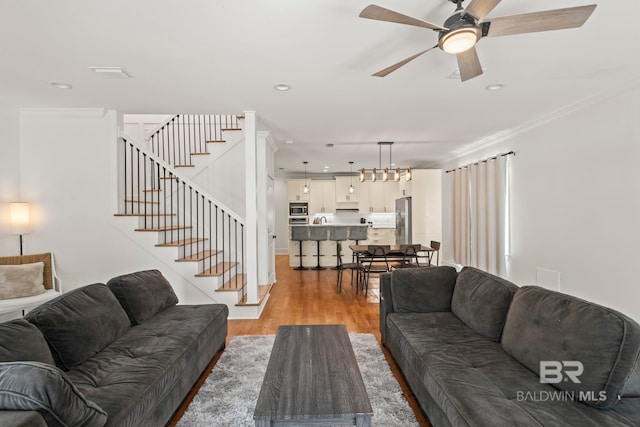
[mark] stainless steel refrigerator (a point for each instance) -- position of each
(403, 221)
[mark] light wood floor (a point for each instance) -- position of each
(311, 297)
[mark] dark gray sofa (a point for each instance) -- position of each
(121, 354)
(470, 346)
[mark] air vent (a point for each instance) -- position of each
(110, 72)
(329, 145)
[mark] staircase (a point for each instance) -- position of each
(198, 230)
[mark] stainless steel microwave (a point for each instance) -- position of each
(298, 209)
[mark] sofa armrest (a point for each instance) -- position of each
(422, 290)
(386, 304)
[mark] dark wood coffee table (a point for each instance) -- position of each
(312, 379)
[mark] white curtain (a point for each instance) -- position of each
(480, 221)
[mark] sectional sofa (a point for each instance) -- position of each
(120, 354)
(477, 350)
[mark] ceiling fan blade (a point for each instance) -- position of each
(469, 64)
(397, 65)
(481, 8)
(557, 19)
(381, 14)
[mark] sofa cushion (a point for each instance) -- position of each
(143, 294)
(425, 289)
(547, 326)
(22, 341)
(46, 389)
(155, 363)
(80, 323)
(23, 280)
(473, 382)
(481, 300)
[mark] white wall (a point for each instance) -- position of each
(68, 172)
(575, 201)
(282, 215)
(9, 175)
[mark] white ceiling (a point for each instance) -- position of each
(197, 56)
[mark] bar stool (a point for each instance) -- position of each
(318, 233)
(300, 233)
(338, 234)
(357, 233)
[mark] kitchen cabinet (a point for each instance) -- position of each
(381, 236)
(426, 205)
(342, 189)
(405, 188)
(295, 190)
(323, 196)
(378, 197)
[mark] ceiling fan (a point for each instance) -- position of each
(462, 30)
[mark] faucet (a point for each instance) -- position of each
(323, 217)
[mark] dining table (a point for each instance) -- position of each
(395, 253)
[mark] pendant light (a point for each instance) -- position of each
(351, 187)
(385, 176)
(305, 190)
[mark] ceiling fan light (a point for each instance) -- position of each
(460, 40)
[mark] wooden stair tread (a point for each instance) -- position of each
(200, 256)
(183, 166)
(240, 116)
(166, 228)
(236, 283)
(169, 177)
(152, 191)
(218, 269)
(178, 243)
(225, 129)
(199, 154)
(216, 140)
(263, 290)
(142, 201)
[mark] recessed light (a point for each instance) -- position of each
(282, 87)
(110, 72)
(494, 87)
(288, 141)
(61, 85)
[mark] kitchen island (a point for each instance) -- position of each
(376, 235)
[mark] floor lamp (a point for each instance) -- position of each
(20, 220)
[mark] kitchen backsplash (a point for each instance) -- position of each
(386, 220)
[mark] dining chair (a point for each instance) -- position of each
(374, 261)
(409, 257)
(436, 248)
(353, 266)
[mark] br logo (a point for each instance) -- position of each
(554, 371)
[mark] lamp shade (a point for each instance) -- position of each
(20, 218)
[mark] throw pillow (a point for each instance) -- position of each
(33, 386)
(21, 341)
(80, 323)
(23, 280)
(143, 294)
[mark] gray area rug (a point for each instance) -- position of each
(229, 395)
